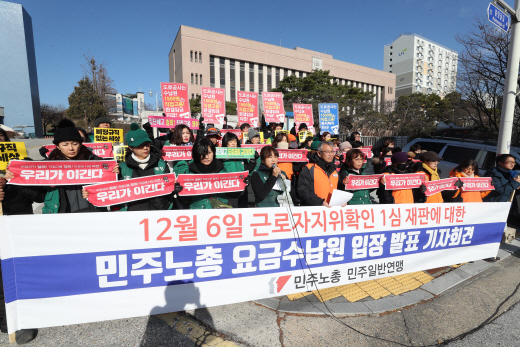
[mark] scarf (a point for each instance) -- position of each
(434, 176)
(141, 162)
(206, 169)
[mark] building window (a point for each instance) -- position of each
(285, 73)
(251, 77)
(260, 78)
(197, 95)
(242, 76)
(269, 76)
(390, 65)
(193, 96)
(200, 79)
(212, 71)
(391, 47)
(197, 78)
(390, 53)
(191, 55)
(191, 78)
(200, 57)
(390, 71)
(390, 59)
(196, 56)
(277, 77)
(232, 80)
(222, 73)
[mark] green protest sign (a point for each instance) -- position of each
(235, 153)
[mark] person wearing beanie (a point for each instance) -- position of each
(428, 167)
(101, 122)
(214, 135)
(253, 137)
(143, 160)
(399, 166)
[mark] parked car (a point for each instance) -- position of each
(454, 151)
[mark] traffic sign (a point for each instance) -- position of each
(497, 17)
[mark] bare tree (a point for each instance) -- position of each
(102, 83)
(51, 116)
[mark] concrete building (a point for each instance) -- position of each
(421, 65)
(205, 58)
(19, 94)
(126, 107)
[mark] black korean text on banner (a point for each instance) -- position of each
(62, 172)
(175, 153)
(113, 193)
(108, 135)
(405, 181)
(292, 155)
(101, 149)
(357, 182)
(477, 184)
(11, 151)
(198, 184)
(433, 187)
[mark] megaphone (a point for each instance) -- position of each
(442, 127)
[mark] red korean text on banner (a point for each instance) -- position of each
(213, 105)
(113, 193)
(292, 155)
(258, 148)
(171, 122)
(433, 187)
(303, 114)
(247, 108)
(356, 182)
(388, 160)
(237, 132)
(476, 184)
(212, 183)
(367, 151)
(175, 99)
(62, 173)
(101, 149)
(405, 181)
(174, 153)
(273, 107)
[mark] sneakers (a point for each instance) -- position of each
(25, 336)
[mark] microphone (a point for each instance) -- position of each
(274, 166)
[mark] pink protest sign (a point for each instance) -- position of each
(303, 114)
(433, 187)
(175, 99)
(175, 153)
(356, 182)
(247, 108)
(273, 107)
(213, 105)
(258, 148)
(475, 184)
(171, 122)
(198, 184)
(404, 181)
(292, 155)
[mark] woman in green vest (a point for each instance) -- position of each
(354, 165)
(267, 177)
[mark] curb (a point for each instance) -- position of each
(390, 303)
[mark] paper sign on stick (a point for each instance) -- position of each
(171, 122)
(108, 135)
(62, 172)
(273, 107)
(303, 114)
(11, 151)
(120, 153)
(213, 105)
(113, 193)
(329, 120)
(175, 99)
(247, 108)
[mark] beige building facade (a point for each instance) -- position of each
(204, 58)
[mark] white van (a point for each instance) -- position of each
(454, 151)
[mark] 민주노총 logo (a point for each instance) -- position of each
(279, 282)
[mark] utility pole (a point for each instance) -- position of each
(510, 93)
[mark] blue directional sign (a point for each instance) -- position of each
(329, 118)
(497, 17)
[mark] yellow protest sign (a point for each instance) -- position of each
(276, 132)
(245, 137)
(9, 151)
(108, 135)
(261, 137)
(302, 135)
(120, 153)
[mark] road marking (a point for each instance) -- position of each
(194, 331)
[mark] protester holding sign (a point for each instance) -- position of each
(505, 179)
(101, 122)
(267, 180)
(353, 166)
(181, 135)
(468, 168)
(253, 137)
(325, 136)
(282, 141)
(319, 178)
(429, 168)
(400, 196)
(214, 135)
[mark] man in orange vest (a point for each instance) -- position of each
(319, 178)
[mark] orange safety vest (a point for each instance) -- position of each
(435, 198)
(287, 168)
(401, 196)
(323, 185)
(468, 196)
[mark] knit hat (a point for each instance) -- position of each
(345, 145)
(430, 156)
(136, 136)
(213, 131)
(252, 133)
(66, 131)
(314, 145)
(102, 119)
(410, 154)
(399, 157)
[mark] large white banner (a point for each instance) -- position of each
(76, 268)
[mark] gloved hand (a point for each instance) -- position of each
(147, 126)
(459, 184)
(43, 151)
(225, 120)
(178, 188)
(422, 188)
(201, 125)
(247, 180)
(492, 183)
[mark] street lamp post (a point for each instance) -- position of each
(151, 94)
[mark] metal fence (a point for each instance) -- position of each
(377, 142)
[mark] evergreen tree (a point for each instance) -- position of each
(85, 99)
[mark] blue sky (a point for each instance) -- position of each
(134, 37)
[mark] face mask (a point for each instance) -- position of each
(401, 167)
